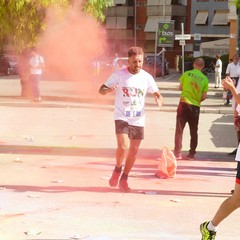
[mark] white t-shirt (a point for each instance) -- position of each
(219, 64)
(35, 64)
(238, 90)
(233, 70)
(131, 90)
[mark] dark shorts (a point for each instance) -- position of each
(238, 173)
(133, 132)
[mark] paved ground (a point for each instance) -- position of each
(57, 156)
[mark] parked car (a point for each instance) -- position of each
(8, 64)
(13, 62)
(149, 63)
(4, 65)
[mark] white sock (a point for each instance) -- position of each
(211, 227)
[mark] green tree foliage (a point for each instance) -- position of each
(96, 8)
(21, 21)
(237, 2)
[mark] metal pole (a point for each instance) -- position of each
(135, 23)
(155, 56)
(163, 52)
(182, 49)
(238, 31)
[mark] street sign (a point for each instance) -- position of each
(197, 36)
(165, 34)
(183, 37)
(182, 42)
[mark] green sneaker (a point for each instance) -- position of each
(206, 234)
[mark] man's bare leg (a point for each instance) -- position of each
(131, 157)
(122, 147)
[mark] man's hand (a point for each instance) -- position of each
(104, 89)
(228, 83)
(159, 100)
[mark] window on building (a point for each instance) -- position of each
(220, 18)
(129, 2)
(119, 2)
(201, 18)
(139, 3)
(178, 20)
(130, 23)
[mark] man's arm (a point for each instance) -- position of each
(158, 98)
(104, 90)
(204, 96)
(228, 83)
(228, 70)
(180, 87)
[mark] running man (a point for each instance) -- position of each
(131, 84)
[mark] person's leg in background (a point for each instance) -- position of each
(180, 125)
(194, 112)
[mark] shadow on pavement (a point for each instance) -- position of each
(104, 152)
(62, 189)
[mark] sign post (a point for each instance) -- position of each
(182, 37)
(164, 38)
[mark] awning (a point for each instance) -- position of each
(121, 23)
(220, 18)
(201, 18)
(110, 22)
(158, 2)
(213, 48)
(152, 2)
(116, 23)
(151, 24)
(218, 44)
(119, 1)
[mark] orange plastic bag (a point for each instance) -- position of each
(167, 166)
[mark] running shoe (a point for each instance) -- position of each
(123, 186)
(113, 181)
(206, 234)
(190, 156)
(178, 156)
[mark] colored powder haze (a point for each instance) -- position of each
(70, 47)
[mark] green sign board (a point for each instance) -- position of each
(165, 34)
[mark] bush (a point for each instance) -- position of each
(209, 62)
(225, 61)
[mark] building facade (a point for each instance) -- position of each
(134, 22)
(210, 19)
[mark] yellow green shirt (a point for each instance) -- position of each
(194, 83)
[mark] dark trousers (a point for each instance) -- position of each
(186, 113)
(229, 93)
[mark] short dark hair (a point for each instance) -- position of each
(135, 51)
(199, 62)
